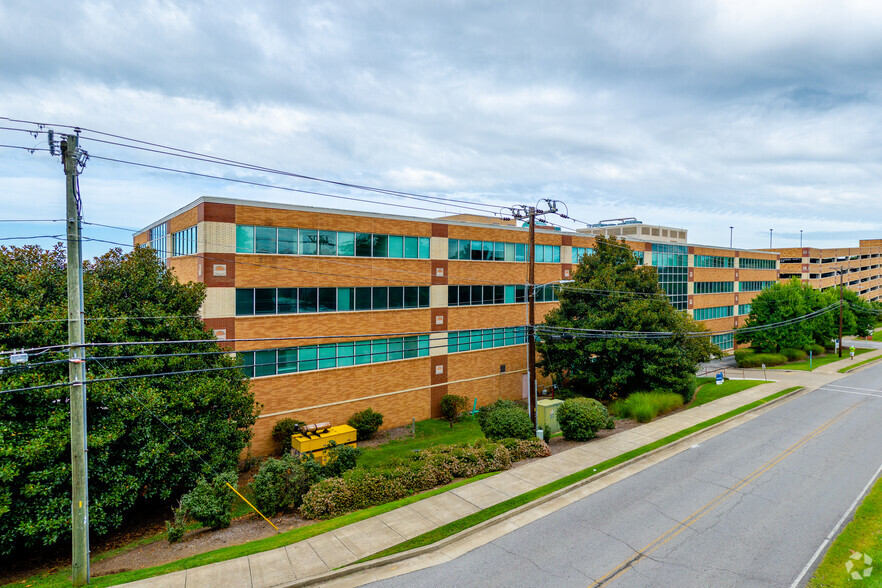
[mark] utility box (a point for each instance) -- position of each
(315, 443)
(546, 416)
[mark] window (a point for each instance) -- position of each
(714, 261)
(158, 241)
(250, 301)
(754, 286)
(744, 309)
(703, 314)
(753, 263)
(724, 342)
(484, 339)
(270, 362)
(714, 287)
(580, 252)
(184, 242)
(292, 241)
(499, 251)
(494, 294)
(671, 262)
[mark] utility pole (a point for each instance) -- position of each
(840, 311)
(70, 154)
(530, 213)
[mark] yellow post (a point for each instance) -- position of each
(251, 505)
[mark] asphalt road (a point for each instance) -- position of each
(749, 507)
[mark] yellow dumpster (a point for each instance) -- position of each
(315, 443)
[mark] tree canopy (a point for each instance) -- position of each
(792, 300)
(133, 459)
(611, 292)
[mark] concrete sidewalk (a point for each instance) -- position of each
(323, 553)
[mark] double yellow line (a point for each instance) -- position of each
(698, 514)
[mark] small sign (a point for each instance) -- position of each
(764, 366)
(720, 379)
(439, 271)
(439, 369)
(439, 319)
(219, 270)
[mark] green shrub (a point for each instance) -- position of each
(742, 354)
(645, 406)
(815, 349)
(485, 410)
(282, 432)
(451, 406)
(757, 360)
(340, 459)
(794, 354)
(279, 485)
(366, 423)
(508, 423)
(581, 418)
(428, 468)
(210, 503)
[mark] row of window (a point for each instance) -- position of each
(499, 251)
(753, 263)
(714, 287)
(713, 261)
(580, 252)
(269, 362)
(286, 241)
(485, 338)
(251, 301)
(474, 295)
(715, 312)
(184, 242)
(744, 309)
(724, 342)
(754, 286)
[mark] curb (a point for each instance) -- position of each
(376, 563)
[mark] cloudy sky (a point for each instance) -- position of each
(704, 115)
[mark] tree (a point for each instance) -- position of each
(611, 293)
(134, 460)
(792, 300)
(451, 406)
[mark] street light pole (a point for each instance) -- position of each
(770, 238)
(840, 311)
(730, 237)
(800, 241)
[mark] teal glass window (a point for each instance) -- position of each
(265, 240)
(287, 360)
(327, 242)
(287, 300)
(345, 299)
(411, 247)
(425, 248)
(396, 349)
(288, 241)
(396, 246)
(378, 350)
(363, 244)
(327, 300)
(308, 358)
(362, 352)
(244, 301)
(363, 298)
(345, 354)
(380, 298)
(452, 248)
(265, 363)
(396, 297)
(381, 246)
(327, 356)
(307, 300)
(244, 239)
(520, 252)
(346, 244)
(308, 242)
(264, 301)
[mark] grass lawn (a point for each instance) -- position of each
(710, 391)
(877, 336)
(860, 535)
(818, 361)
(858, 364)
(428, 433)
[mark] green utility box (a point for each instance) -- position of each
(546, 416)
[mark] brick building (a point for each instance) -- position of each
(861, 267)
(393, 312)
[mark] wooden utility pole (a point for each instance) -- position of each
(840, 312)
(70, 155)
(530, 213)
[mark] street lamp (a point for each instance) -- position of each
(730, 237)
(800, 240)
(770, 238)
(531, 345)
